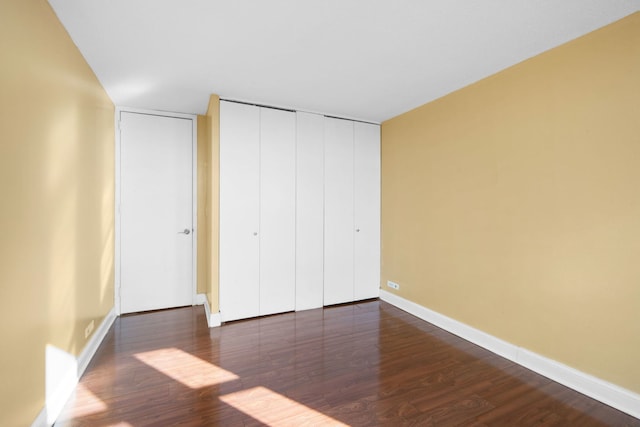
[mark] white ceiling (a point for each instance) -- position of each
(362, 59)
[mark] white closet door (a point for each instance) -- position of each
(277, 210)
(367, 210)
(338, 212)
(239, 210)
(309, 210)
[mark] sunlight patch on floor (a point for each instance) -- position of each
(273, 409)
(185, 368)
(91, 404)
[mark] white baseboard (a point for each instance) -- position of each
(201, 299)
(41, 419)
(622, 399)
(63, 370)
(213, 319)
(92, 346)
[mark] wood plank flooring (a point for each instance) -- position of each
(365, 364)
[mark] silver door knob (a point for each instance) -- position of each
(357, 230)
(255, 233)
(186, 231)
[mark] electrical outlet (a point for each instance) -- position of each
(393, 285)
(89, 329)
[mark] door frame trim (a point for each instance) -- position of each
(194, 197)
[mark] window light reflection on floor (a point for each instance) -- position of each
(273, 409)
(185, 368)
(91, 404)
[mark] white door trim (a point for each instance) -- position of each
(194, 196)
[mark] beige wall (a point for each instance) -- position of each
(213, 201)
(57, 216)
(204, 195)
(513, 205)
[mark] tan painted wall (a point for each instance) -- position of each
(204, 194)
(513, 205)
(213, 120)
(57, 215)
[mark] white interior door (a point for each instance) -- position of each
(277, 210)
(156, 205)
(239, 211)
(367, 210)
(338, 211)
(309, 211)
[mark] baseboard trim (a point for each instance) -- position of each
(610, 394)
(41, 419)
(96, 339)
(213, 319)
(71, 369)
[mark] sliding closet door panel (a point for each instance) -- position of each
(277, 210)
(367, 210)
(309, 210)
(239, 210)
(338, 215)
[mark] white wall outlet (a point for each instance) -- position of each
(89, 329)
(393, 285)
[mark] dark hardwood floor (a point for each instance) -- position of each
(364, 364)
